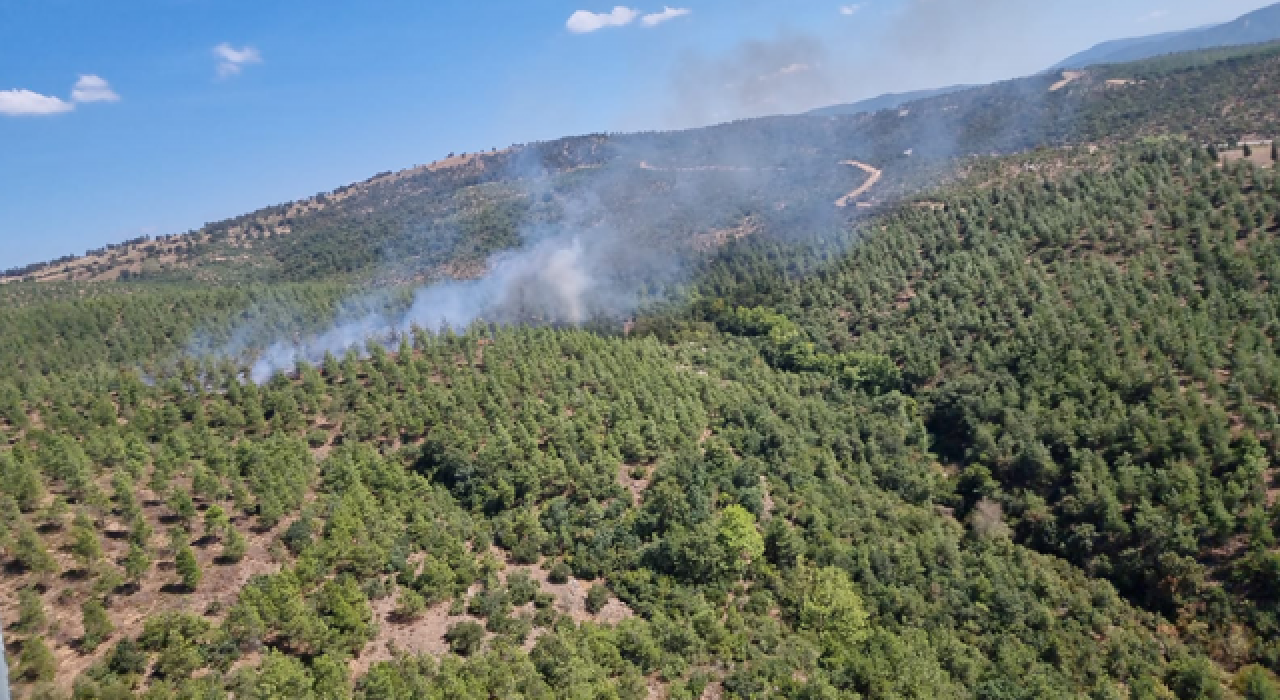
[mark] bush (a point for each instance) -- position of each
(411, 605)
(521, 588)
(559, 573)
(1194, 678)
(544, 617)
(1256, 683)
(298, 535)
(597, 598)
(465, 638)
(127, 659)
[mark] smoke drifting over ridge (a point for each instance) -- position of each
(591, 262)
(630, 211)
(881, 48)
(789, 73)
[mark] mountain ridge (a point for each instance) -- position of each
(1256, 27)
(889, 100)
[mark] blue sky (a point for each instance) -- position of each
(135, 117)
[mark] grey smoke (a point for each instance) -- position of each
(916, 44)
(550, 281)
(789, 73)
(585, 264)
(593, 249)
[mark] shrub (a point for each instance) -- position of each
(465, 638)
(597, 598)
(559, 573)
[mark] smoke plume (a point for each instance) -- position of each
(595, 259)
(551, 281)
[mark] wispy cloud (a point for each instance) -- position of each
(232, 60)
(91, 88)
(667, 14)
(25, 103)
(850, 10)
(1153, 16)
(584, 22)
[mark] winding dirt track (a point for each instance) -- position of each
(874, 174)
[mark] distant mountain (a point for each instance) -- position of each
(1254, 28)
(891, 100)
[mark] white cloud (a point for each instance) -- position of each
(583, 22)
(667, 14)
(232, 60)
(1153, 16)
(850, 10)
(91, 88)
(25, 103)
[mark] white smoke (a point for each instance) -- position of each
(548, 282)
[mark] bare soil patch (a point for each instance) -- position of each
(128, 607)
(636, 486)
(1068, 77)
(426, 634)
(1260, 156)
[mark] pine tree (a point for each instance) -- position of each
(36, 662)
(97, 626)
(136, 563)
(234, 545)
(31, 553)
(216, 521)
(85, 544)
(188, 567)
(31, 615)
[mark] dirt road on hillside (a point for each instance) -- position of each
(874, 174)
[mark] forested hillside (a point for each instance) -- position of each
(1008, 436)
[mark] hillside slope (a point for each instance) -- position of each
(555, 509)
(1009, 432)
(891, 100)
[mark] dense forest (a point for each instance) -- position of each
(1006, 435)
